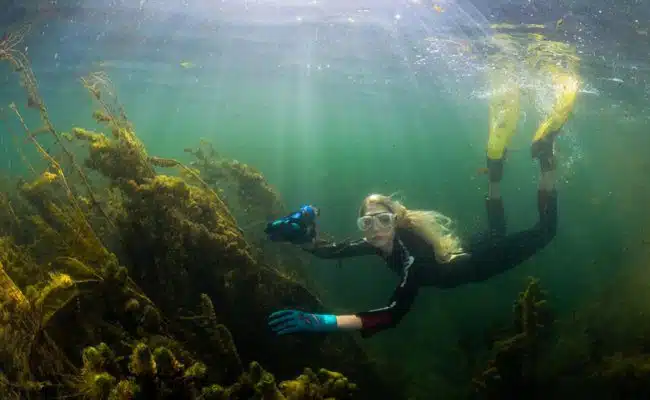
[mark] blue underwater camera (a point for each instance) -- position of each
(298, 227)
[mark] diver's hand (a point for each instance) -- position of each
(291, 321)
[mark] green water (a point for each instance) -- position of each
(331, 147)
(328, 123)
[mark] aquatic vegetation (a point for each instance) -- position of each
(132, 284)
(249, 191)
(127, 275)
(512, 368)
(9, 52)
(251, 199)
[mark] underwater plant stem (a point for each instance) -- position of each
(119, 122)
(223, 205)
(20, 63)
(58, 168)
(15, 139)
(93, 83)
(7, 203)
(170, 162)
(57, 139)
(11, 292)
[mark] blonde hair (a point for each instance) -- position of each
(432, 226)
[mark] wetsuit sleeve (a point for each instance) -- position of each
(400, 303)
(344, 249)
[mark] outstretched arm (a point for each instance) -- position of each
(348, 248)
(368, 322)
(373, 321)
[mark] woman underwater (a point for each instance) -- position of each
(422, 251)
(419, 246)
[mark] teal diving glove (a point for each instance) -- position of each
(292, 321)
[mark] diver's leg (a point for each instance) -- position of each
(492, 257)
(494, 202)
(502, 125)
(566, 85)
(547, 192)
(543, 149)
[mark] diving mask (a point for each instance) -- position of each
(379, 221)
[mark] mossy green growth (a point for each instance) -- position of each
(336, 385)
(196, 371)
(125, 389)
(619, 366)
(102, 384)
(324, 385)
(166, 362)
(214, 392)
(92, 359)
(264, 383)
(142, 362)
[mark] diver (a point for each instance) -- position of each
(421, 248)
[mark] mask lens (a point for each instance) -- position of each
(385, 220)
(378, 221)
(364, 223)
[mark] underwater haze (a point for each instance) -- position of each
(322, 102)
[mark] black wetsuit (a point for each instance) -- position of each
(414, 261)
